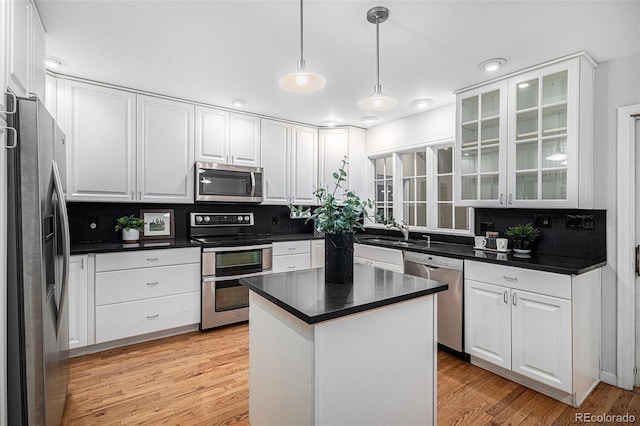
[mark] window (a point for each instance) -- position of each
(424, 189)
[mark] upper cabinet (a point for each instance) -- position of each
(334, 145)
(526, 141)
(123, 147)
(26, 48)
(294, 180)
(227, 137)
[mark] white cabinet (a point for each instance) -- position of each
(526, 141)
(26, 46)
(100, 126)
(146, 291)
(227, 137)
(5, 52)
(80, 300)
(379, 257)
(317, 253)
(334, 145)
(538, 328)
(291, 256)
(295, 180)
(165, 150)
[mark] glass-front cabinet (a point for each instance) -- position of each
(526, 141)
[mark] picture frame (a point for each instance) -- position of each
(158, 224)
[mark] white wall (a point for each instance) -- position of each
(617, 84)
(429, 126)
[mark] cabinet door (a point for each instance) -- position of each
(78, 306)
(212, 135)
(19, 37)
(37, 55)
(487, 322)
(543, 137)
(541, 338)
(5, 52)
(333, 147)
(100, 126)
(276, 161)
(317, 253)
(304, 169)
(481, 142)
(244, 142)
(357, 175)
(165, 150)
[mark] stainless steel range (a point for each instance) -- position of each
(230, 251)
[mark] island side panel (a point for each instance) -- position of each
(378, 367)
(280, 366)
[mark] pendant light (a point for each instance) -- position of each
(378, 101)
(301, 80)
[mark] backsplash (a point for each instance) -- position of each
(268, 219)
(563, 232)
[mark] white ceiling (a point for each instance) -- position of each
(212, 51)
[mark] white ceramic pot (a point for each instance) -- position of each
(131, 235)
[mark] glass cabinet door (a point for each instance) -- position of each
(540, 155)
(481, 143)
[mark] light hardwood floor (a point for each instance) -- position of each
(202, 379)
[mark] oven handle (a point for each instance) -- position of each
(234, 277)
(236, 248)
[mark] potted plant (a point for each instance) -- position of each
(131, 227)
(338, 223)
(522, 237)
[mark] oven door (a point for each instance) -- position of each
(225, 300)
(226, 183)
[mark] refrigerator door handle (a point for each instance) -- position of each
(66, 244)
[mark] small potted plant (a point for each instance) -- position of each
(338, 223)
(130, 227)
(522, 237)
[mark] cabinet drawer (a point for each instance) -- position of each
(143, 283)
(291, 247)
(292, 262)
(379, 254)
(146, 258)
(378, 264)
(541, 282)
(128, 319)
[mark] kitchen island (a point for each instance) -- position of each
(328, 354)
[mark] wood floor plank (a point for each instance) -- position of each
(202, 379)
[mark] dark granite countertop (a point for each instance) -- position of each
(555, 264)
(305, 295)
(116, 246)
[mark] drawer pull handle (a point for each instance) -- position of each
(515, 299)
(291, 267)
(291, 248)
(153, 283)
(510, 279)
(152, 259)
(505, 298)
(152, 317)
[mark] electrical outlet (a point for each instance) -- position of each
(93, 223)
(542, 220)
(274, 220)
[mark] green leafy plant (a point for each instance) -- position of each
(331, 218)
(130, 222)
(523, 232)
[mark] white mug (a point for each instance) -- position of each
(480, 241)
(502, 244)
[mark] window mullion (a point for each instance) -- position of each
(432, 189)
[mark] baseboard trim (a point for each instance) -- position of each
(609, 378)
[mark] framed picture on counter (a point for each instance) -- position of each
(158, 224)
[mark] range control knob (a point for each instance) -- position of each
(246, 219)
(239, 218)
(198, 219)
(207, 219)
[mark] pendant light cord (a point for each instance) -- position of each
(378, 53)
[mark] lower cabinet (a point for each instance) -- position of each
(537, 328)
(379, 257)
(317, 253)
(146, 291)
(80, 304)
(291, 256)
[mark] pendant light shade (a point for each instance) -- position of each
(302, 80)
(378, 101)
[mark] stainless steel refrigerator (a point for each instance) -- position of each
(37, 269)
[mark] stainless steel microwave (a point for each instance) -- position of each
(228, 183)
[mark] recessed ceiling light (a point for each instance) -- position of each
(369, 119)
(330, 123)
(492, 64)
(238, 102)
(51, 62)
(422, 103)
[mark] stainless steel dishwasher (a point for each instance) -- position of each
(450, 302)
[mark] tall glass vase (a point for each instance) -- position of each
(338, 258)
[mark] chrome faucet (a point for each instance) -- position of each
(404, 228)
